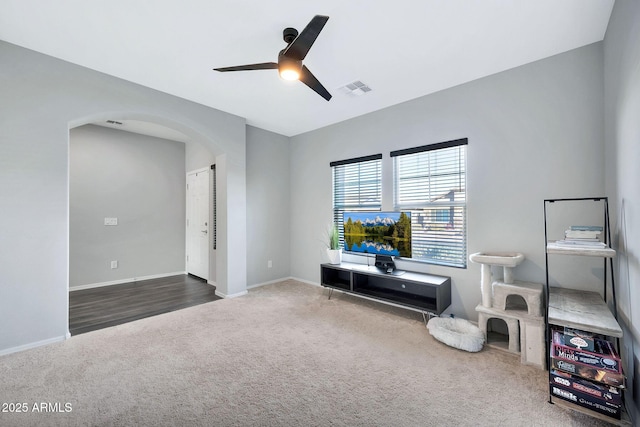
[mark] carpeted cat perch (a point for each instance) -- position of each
(457, 333)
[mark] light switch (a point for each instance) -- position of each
(111, 221)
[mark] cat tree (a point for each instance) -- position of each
(520, 305)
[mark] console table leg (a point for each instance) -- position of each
(330, 292)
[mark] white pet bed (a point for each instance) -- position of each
(457, 333)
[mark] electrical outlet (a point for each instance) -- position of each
(111, 221)
(269, 264)
(114, 264)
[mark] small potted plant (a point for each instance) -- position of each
(333, 248)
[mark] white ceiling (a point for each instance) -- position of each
(402, 49)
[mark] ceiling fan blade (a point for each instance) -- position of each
(300, 46)
(261, 66)
(310, 80)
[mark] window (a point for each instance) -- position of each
(357, 185)
(430, 181)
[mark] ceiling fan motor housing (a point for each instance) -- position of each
(289, 34)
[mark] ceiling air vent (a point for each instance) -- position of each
(113, 122)
(356, 88)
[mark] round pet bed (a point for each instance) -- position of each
(457, 333)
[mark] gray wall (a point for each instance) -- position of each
(622, 152)
(534, 132)
(141, 181)
(42, 98)
(268, 206)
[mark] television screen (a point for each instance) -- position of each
(385, 233)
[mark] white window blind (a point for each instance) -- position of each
(430, 181)
(357, 186)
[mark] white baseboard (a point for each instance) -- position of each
(236, 295)
(308, 282)
(257, 285)
(32, 345)
(121, 281)
(297, 279)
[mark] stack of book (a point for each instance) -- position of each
(587, 236)
(586, 371)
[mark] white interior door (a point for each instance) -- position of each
(198, 223)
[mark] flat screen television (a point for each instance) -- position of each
(375, 232)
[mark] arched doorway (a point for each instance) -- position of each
(131, 173)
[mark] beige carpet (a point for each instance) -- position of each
(283, 355)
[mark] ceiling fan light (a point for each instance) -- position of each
(289, 74)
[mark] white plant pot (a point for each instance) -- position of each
(335, 256)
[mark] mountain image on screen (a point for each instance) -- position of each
(385, 233)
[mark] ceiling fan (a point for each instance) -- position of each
(290, 58)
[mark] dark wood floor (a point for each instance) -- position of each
(98, 308)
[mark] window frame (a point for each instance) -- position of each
(369, 169)
(450, 247)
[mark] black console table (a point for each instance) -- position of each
(426, 293)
